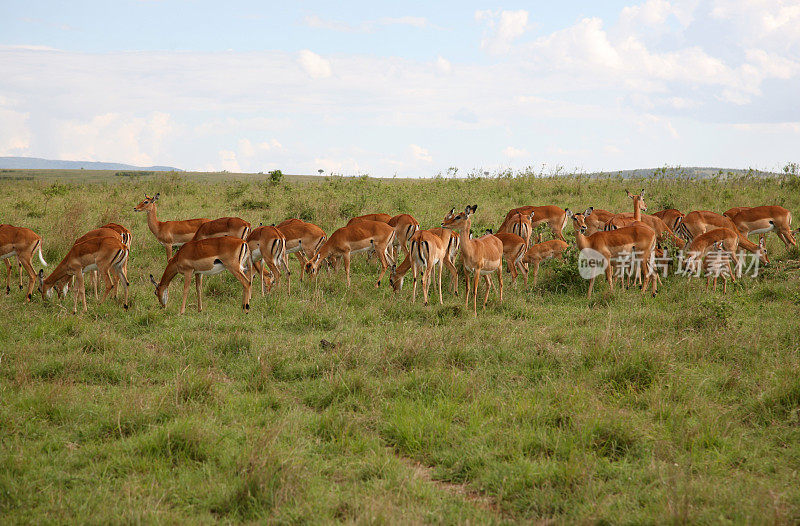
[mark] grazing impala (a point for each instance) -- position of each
(269, 244)
(404, 227)
(763, 219)
(699, 222)
(302, 239)
(450, 241)
(381, 218)
(224, 226)
(612, 244)
(541, 252)
(555, 217)
(359, 236)
(427, 251)
(671, 217)
(168, 233)
(482, 256)
(595, 219)
(105, 254)
(21, 243)
(702, 244)
(206, 257)
(735, 210)
(62, 285)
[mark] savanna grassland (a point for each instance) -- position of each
(625, 408)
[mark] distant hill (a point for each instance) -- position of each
(34, 163)
(685, 172)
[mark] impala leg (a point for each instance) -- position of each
(122, 277)
(246, 290)
(346, 258)
(453, 275)
(198, 285)
(441, 269)
(95, 279)
(500, 279)
(187, 279)
(168, 249)
(476, 278)
(8, 276)
(415, 273)
(80, 288)
(488, 288)
(466, 292)
(285, 261)
(426, 281)
(523, 270)
(591, 286)
(25, 262)
(276, 273)
(109, 283)
(382, 257)
(19, 264)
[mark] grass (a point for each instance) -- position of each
(679, 408)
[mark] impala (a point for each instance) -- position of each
(427, 251)
(514, 247)
(168, 233)
(404, 227)
(555, 217)
(451, 243)
(699, 222)
(206, 257)
(62, 285)
(635, 239)
(543, 251)
(359, 236)
(224, 226)
(269, 244)
(595, 219)
(700, 246)
(763, 219)
(656, 224)
(482, 256)
(671, 217)
(735, 210)
(21, 243)
(521, 225)
(301, 237)
(105, 254)
(381, 218)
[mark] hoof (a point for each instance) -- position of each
(8, 290)
(124, 306)
(247, 306)
(20, 287)
(29, 297)
(654, 294)
(378, 284)
(426, 303)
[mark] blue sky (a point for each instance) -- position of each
(406, 88)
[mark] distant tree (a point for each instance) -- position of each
(321, 171)
(275, 176)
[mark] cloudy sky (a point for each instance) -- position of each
(408, 88)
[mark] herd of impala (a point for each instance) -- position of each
(207, 247)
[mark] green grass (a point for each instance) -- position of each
(680, 408)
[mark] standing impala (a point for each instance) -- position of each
(269, 244)
(636, 239)
(224, 226)
(206, 257)
(427, 252)
(543, 251)
(555, 217)
(62, 285)
(105, 254)
(168, 233)
(451, 243)
(763, 219)
(514, 247)
(595, 219)
(22, 243)
(658, 226)
(302, 239)
(359, 236)
(671, 217)
(699, 222)
(482, 256)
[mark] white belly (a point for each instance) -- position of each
(770, 228)
(9, 255)
(368, 247)
(255, 255)
(216, 269)
(293, 250)
(90, 267)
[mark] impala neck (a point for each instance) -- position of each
(169, 274)
(466, 242)
(152, 220)
(637, 211)
(581, 240)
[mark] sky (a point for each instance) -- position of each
(402, 88)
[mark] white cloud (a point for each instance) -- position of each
(420, 153)
(270, 145)
(512, 152)
(15, 135)
(503, 28)
(367, 26)
(227, 159)
(313, 64)
(443, 65)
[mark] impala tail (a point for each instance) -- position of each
(41, 258)
(682, 231)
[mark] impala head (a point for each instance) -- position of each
(762, 250)
(312, 266)
(147, 204)
(45, 289)
(162, 295)
(394, 280)
(639, 199)
(458, 221)
(579, 219)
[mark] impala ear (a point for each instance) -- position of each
(569, 212)
(156, 197)
(642, 194)
(153, 281)
(41, 275)
(531, 216)
(394, 267)
(589, 211)
(628, 193)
